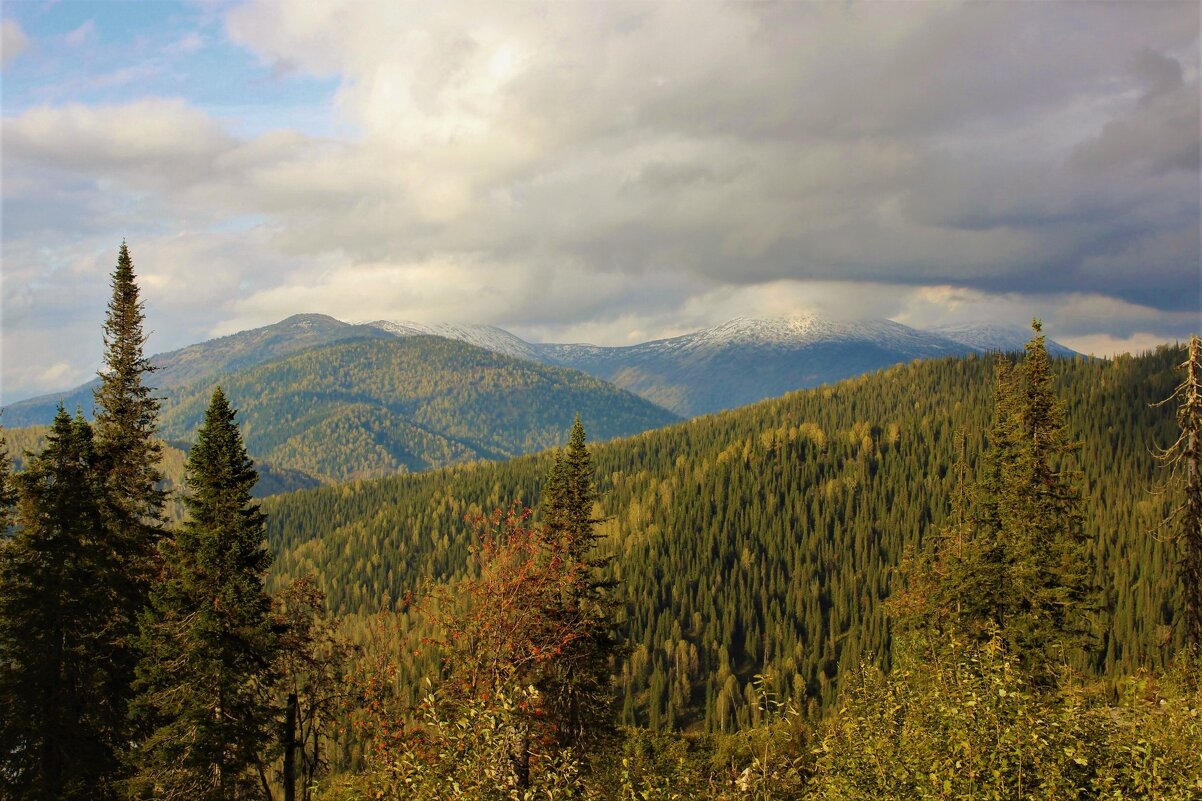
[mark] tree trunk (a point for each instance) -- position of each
(290, 749)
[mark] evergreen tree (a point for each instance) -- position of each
(1184, 458)
(1022, 570)
(1040, 514)
(576, 684)
(126, 414)
(207, 637)
(128, 456)
(60, 730)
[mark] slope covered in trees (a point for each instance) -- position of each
(173, 455)
(764, 539)
(206, 360)
(373, 407)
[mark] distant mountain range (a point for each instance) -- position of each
(729, 365)
(320, 400)
(371, 407)
(745, 359)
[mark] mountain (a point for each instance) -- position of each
(377, 406)
(997, 339)
(489, 337)
(764, 540)
(204, 360)
(745, 359)
(730, 365)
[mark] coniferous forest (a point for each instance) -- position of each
(965, 578)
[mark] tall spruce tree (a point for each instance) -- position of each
(207, 637)
(60, 730)
(1018, 568)
(128, 456)
(576, 684)
(1040, 511)
(127, 415)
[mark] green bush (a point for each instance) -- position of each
(965, 722)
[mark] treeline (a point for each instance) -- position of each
(766, 539)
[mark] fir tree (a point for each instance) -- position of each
(128, 457)
(207, 637)
(126, 409)
(1025, 575)
(1018, 567)
(1040, 512)
(576, 684)
(60, 731)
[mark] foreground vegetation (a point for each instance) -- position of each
(831, 596)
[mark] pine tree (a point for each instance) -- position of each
(60, 731)
(128, 457)
(1184, 459)
(207, 637)
(576, 684)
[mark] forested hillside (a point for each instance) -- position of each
(374, 407)
(204, 360)
(763, 539)
(272, 480)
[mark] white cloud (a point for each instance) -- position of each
(13, 41)
(1106, 345)
(81, 34)
(154, 140)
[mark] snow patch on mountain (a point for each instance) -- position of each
(488, 337)
(811, 329)
(997, 338)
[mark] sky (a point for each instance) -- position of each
(599, 171)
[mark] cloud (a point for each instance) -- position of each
(622, 169)
(13, 41)
(862, 143)
(1106, 345)
(147, 141)
(81, 34)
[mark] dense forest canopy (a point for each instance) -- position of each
(765, 538)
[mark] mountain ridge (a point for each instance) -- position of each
(720, 367)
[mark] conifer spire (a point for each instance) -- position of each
(126, 409)
(8, 494)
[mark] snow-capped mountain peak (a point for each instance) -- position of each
(811, 329)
